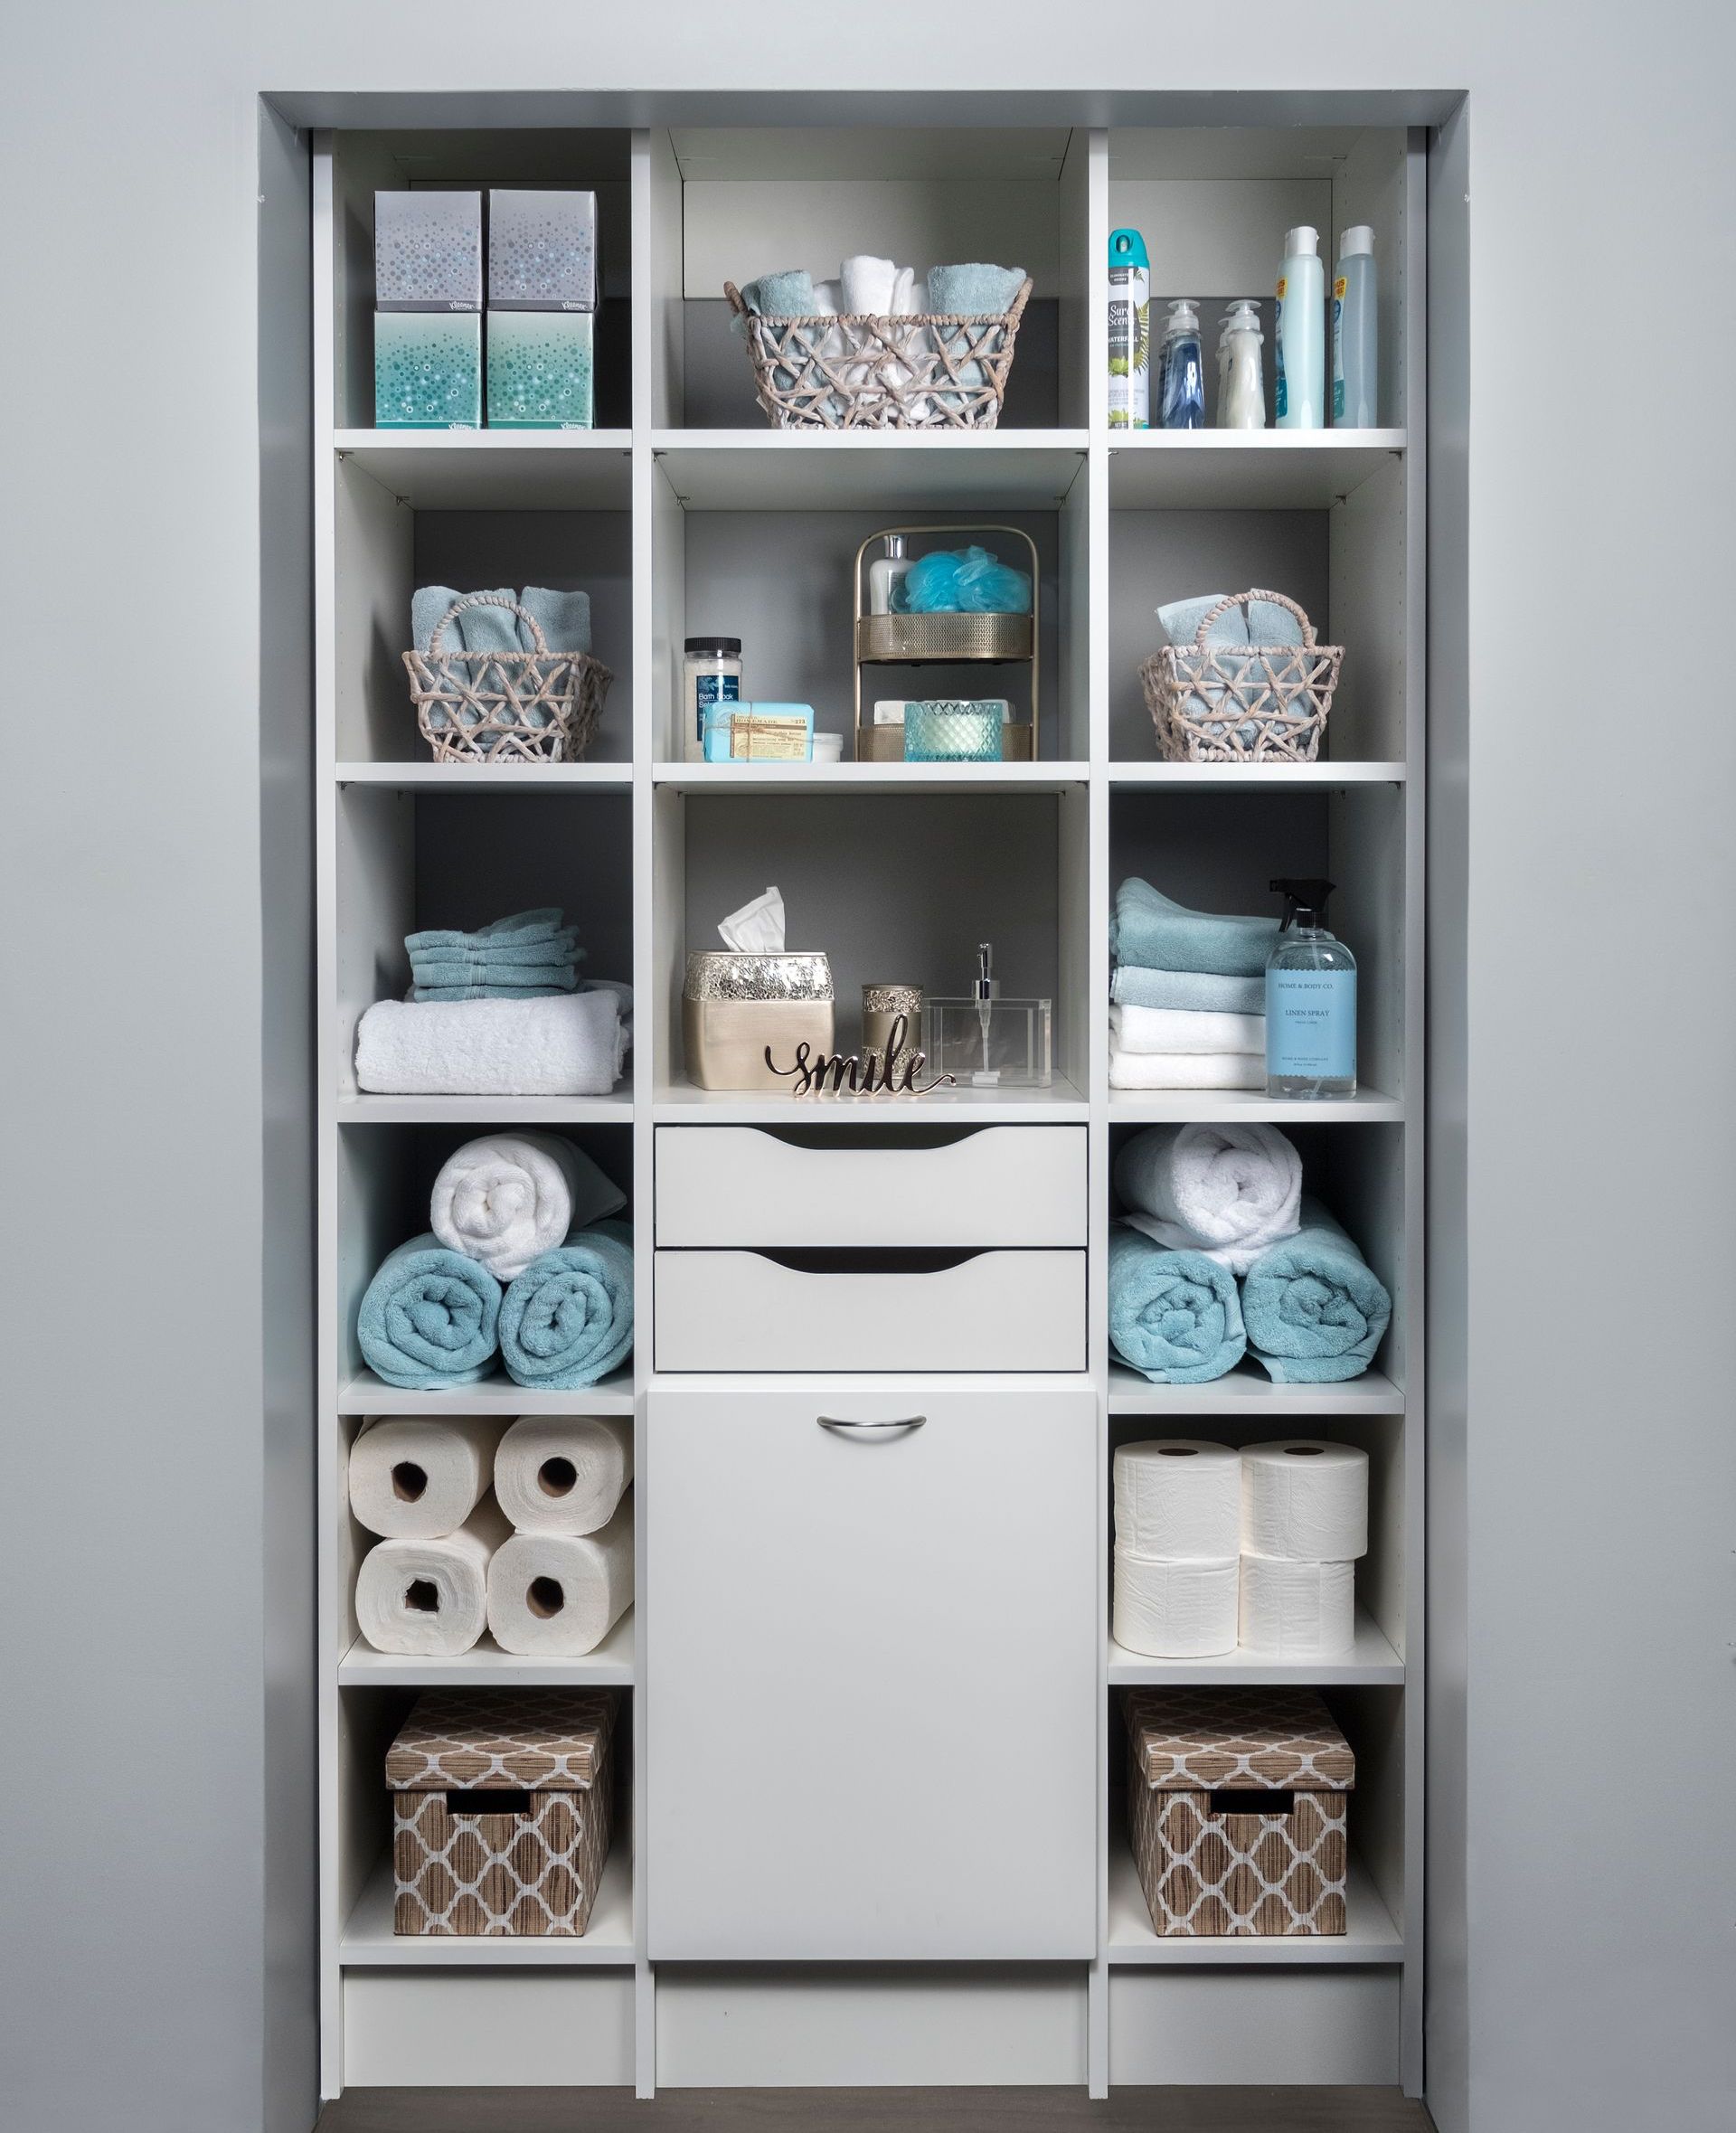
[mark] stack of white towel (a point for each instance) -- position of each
(1216, 1549)
(524, 1530)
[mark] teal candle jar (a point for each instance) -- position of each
(952, 732)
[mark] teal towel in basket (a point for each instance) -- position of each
(568, 1320)
(1173, 1315)
(973, 290)
(430, 1318)
(1315, 1311)
(1145, 927)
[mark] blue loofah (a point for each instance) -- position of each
(964, 581)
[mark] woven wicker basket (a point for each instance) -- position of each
(505, 707)
(865, 371)
(1233, 704)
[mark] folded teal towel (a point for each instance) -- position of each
(522, 930)
(788, 295)
(1260, 622)
(535, 955)
(973, 291)
(568, 1320)
(1174, 1315)
(542, 984)
(1150, 931)
(563, 618)
(1315, 1312)
(525, 957)
(430, 1318)
(1198, 991)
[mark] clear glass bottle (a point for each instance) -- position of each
(1310, 1000)
(710, 674)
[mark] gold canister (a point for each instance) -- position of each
(736, 1008)
(881, 1005)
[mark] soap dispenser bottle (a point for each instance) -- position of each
(1181, 402)
(1241, 389)
(886, 574)
(1301, 335)
(1310, 1000)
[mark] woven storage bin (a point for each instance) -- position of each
(505, 707)
(531, 1864)
(866, 371)
(1213, 1857)
(1241, 703)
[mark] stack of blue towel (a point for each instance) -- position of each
(1188, 994)
(527, 956)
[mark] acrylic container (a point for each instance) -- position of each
(1011, 1048)
(943, 732)
(426, 370)
(540, 370)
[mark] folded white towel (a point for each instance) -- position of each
(1185, 1070)
(508, 1198)
(1185, 1029)
(868, 285)
(430, 1598)
(1228, 1191)
(563, 1474)
(561, 1593)
(572, 1045)
(418, 1477)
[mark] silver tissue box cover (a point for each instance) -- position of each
(797, 974)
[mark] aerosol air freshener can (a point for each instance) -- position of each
(1129, 331)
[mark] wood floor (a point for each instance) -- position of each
(873, 2111)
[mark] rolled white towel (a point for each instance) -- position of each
(430, 1598)
(869, 285)
(1227, 1191)
(1185, 1070)
(561, 1593)
(563, 1474)
(1185, 1029)
(506, 1198)
(574, 1045)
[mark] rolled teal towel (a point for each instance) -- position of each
(973, 290)
(1147, 928)
(1181, 621)
(563, 618)
(568, 1320)
(430, 1318)
(788, 295)
(1315, 1312)
(1174, 1315)
(1202, 992)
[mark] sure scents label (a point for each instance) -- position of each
(1311, 1023)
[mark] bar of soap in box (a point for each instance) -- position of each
(426, 250)
(541, 251)
(426, 370)
(540, 370)
(760, 733)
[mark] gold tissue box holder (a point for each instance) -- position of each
(734, 1007)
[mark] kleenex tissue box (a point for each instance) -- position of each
(759, 733)
(541, 251)
(539, 370)
(428, 251)
(426, 370)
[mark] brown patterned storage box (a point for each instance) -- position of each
(1212, 1858)
(528, 1861)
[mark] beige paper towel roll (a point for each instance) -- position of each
(1175, 1610)
(563, 1474)
(1304, 1500)
(559, 1595)
(420, 1476)
(1178, 1499)
(429, 1598)
(1297, 1610)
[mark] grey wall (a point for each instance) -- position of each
(1597, 1685)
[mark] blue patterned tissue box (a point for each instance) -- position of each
(426, 370)
(541, 251)
(426, 251)
(539, 370)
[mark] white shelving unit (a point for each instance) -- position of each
(684, 516)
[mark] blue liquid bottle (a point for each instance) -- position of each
(1182, 373)
(1310, 1000)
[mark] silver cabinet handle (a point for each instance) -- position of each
(909, 1422)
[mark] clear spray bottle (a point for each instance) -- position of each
(1310, 1000)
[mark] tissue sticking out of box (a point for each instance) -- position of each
(758, 928)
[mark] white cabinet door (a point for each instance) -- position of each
(872, 1674)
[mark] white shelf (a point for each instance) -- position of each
(496, 469)
(1247, 1389)
(490, 777)
(1165, 1107)
(1060, 1104)
(369, 1940)
(1244, 469)
(366, 1394)
(486, 1665)
(1370, 1935)
(1239, 776)
(832, 778)
(870, 470)
(1371, 1662)
(486, 1110)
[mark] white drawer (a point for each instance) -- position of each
(881, 1184)
(872, 1675)
(907, 1310)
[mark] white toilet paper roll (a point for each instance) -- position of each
(1178, 1499)
(430, 1598)
(563, 1474)
(1297, 1610)
(560, 1594)
(1304, 1500)
(416, 1477)
(1175, 1610)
